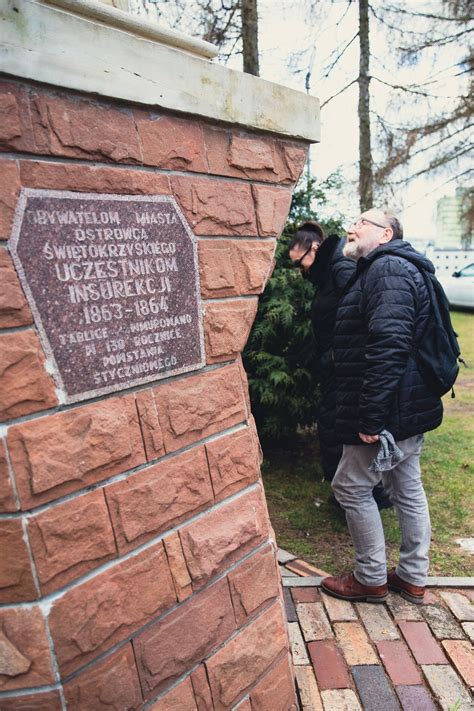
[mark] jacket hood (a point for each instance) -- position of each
(397, 248)
(328, 249)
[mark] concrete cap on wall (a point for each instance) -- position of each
(90, 47)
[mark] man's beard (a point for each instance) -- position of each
(353, 250)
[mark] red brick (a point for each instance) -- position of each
(16, 578)
(26, 656)
(70, 539)
(202, 690)
(25, 386)
(9, 191)
(313, 621)
(159, 497)
(234, 268)
(14, 311)
(150, 425)
(201, 405)
(272, 206)
(459, 604)
(177, 563)
(276, 691)
(398, 662)
(7, 499)
(82, 128)
(415, 697)
(216, 207)
(422, 644)
(15, 124)
(461, 654)
(227, 326)
(233, 462)
(329, 666)
(253, 584)
(64, 452)
(305, 595)
(110, 685)
(45, 701)
(236, 667)
(339, 610)
(295, 158)
(170, 142)
(305, 569)
(354, 643)
(93, 616)
(175, 644)
(180, 698)
(90, 178)
(221, 537)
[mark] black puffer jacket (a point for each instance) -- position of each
(382, 313)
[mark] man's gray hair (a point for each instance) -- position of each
(395, 225)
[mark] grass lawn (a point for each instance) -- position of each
(308, 526)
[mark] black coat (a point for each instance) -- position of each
(380, 316)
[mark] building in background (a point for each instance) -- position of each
(452, 232)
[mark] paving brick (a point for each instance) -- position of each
(447, 687)
(159, 497)
(25, 654)
(14, 310)
(431, 598)
(374, 689)
(227, 326)
(340, 700)
(305, 595)
(308, 689)
(415, 697)
(181, 698)
(461, 654)
(70, 539)
(201, 688)
(198, 406)
(441, 622)
(354, 643)
(402, 609)
(235, 668)
(290, 608)
(25, 386)
(377, 621)
(94, 615)
(110, 685)
(56, 455)
(276, 690)
(233, 462)
(298, 647)
(253, 584)
(301, 567)
(7, 499)
(460, 605)
(224, 535)
(329, 666)
(313, 621)
(41, 701)
(422, 644)
(398, 662)
(182, 639)
(338, 610)
(468, 628)
(285, 573)
(16, 577)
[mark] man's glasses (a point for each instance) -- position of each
(297, 262)
(363, 220)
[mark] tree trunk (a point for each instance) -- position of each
(250, 36)
(366, 179)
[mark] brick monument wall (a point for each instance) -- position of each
(138, 566)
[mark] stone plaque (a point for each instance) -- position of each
(113, 284)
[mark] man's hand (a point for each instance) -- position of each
(368, 439)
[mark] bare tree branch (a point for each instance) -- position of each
(325, 103)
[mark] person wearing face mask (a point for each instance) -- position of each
(321, 260)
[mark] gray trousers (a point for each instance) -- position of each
(352, 486)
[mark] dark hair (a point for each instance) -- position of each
(306, 234)
(395, 225)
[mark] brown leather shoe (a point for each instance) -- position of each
(412, 593)
(347, 587)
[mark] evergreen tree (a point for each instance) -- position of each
(279, 356)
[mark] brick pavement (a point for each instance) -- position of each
(364, 657)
